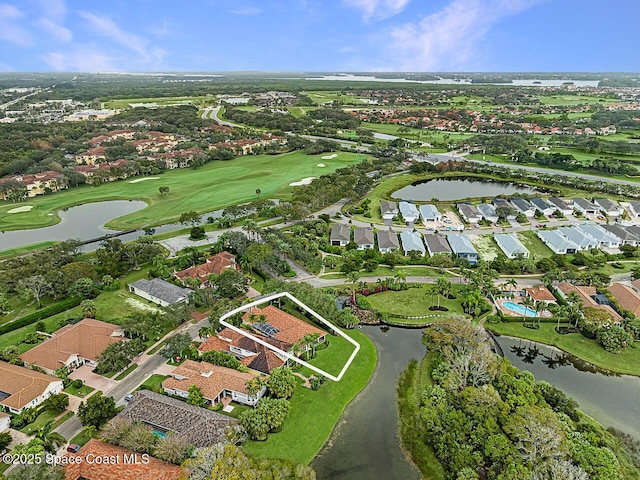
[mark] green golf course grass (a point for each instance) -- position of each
(216, 185)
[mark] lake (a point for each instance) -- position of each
(365, 443)
(458, 189)
(610, 399)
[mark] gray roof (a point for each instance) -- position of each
(468, 211)
(501, 202)
(578, 237)
(436, 244)
(633, 230)
(510, 243)
(409, 210)
(165, 291)
(198, 426)
(429, 211)
(599, 233)
(521, 204)
(557, 240)
(460, 243)
(340, 231)
(623, 233)
(541, 204)
(584, 204)
(363, 236)
(388, 239)
(487, 211)
(635, 206)
(559, 203)
(606, 204)
(412, 241)
(388, 207)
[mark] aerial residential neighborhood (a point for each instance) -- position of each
(363, 239)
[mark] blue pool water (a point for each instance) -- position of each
(519, 309)
(159, 434)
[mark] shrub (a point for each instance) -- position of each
(77, 383)
(614, 339)
(40, 315)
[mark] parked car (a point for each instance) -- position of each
(128, 397)
(73, 448)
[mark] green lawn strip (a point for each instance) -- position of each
(153, 382)
(314, 414)
(382, 271)
(536, 247)
(332, 358)
(626, 362)
(129, 369)
(44, 417)
(208, 188)
(81, 392)
(15, 337)
(414, 301)
(84, 436)
(156, 348)
(412, 382)
(14, 252)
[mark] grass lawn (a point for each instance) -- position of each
(627, 362)
(413, 301)
(333, 358)
(535, 246)
(314, 414)
(62, 419)
(213, 186)
(382, 271)
(129, 369)
(154, 381)
(81, 392)
(41, 421)
(84, 436)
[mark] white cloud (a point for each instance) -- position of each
(52, 9)
(450, 38)
(162, 30)
(57, 31)
(106, 27)
(84, 58)
(10, 31)
(246, 10)
(378, 9)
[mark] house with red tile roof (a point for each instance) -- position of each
(125, 464)
(627, 298)
(251, 353)
(74, 345)
(540, 294)
(37, 183)
(22, 388)
(214, 265)
(217, 384)
(275, 323)
(587, 295)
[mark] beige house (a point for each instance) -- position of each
(22, 388)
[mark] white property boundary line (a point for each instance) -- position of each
(282, 352)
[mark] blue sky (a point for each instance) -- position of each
(315, 35)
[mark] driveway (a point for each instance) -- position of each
(94, 380)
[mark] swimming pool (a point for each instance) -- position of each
(519, 309)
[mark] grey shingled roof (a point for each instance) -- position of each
(165, 291)
(387, 239)
(436, 244)
(578, 237)
(541, 204)
(559, 203)
(521, 204)
(363, 236)
(606, 204)
(388, 207)
(622, 233)
(198, 426)
(340, 231)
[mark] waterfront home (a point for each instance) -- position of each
(523, 206)
(429, 214)
(627, 298)
(409, 212)
(159, 292)
(541, 204)
(469, 213)
(388, 209)
(561, 205)
(587, 295)
(488, 212)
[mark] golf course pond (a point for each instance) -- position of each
(450, 189)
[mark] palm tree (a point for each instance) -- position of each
(539, 307)
(50, 440)
(400, 277)
(512, 282)
(353, 278)
(205, 332)
(444, 286)
(434, 292)
(527, 303)
(250, 226)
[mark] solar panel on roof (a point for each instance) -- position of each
(266, 329)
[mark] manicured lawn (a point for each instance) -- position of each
(314, 414)
(382, 271)
(129, 369)
(154, 381)
(81, 392)
(574, 343)
(413, 301)
(41, 421)
(84, 436)
(213, 186)
(333, 358)
(535, 246)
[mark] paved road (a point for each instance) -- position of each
(214, 114)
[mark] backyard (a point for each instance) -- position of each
(213, 186)
(415, 301)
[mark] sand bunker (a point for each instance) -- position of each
(321, 165)
(329, 157)
(304, 181)
(24, 208)
(143, 179)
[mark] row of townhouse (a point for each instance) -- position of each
(567, 240)
(410, 213)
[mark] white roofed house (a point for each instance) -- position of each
(387, 241)
(429, 214)
(469, 213)
(541, 204)
(412, 241)
(511, 246)
(488, 212)
(608, 207)
(580, 238)
(584, 206)
(388, 210)
(363, 238)
(557, 242)
(462, 247)
(340, 235)
(523, 206)
(602, 236)
(409, 212)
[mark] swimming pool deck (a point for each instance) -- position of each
(500, 301)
